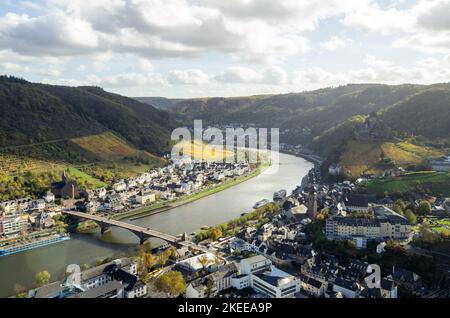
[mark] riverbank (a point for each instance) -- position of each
(231, 227)
(310, 157)
(151, 210)
(159, 207)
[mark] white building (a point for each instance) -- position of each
(212, 284)
(8, 207)
(254, 264)
(348, 288)
(218, 176)
(119, 186)
(131, 183)
(145, 197)
(39, 205)
(259, 274)
(49, 197)
(101, 193)
(13, 225)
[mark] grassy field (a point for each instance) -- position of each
(440, 226)
(85, 179)
(432, 182)
(106, 146)
(107, 171)
(363, 157)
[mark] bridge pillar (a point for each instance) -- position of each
(103, 227)
(142, 237)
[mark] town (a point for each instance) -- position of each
(29, 223)
(320, 241)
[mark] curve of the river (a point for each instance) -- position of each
(214, 209)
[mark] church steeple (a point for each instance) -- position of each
(64, 177)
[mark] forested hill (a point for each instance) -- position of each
(331, 113)
(36, 113)
(305, 115)
(158, 102)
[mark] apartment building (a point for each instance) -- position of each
(259, 274)
(382, 224)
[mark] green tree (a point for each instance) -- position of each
(20, 291)
(42, 278)
(399, 206)
(162, 259)
(351, 244)
(393, 245)
(411, 216)
(424, 208)
(149, 260)
(428, 235)
(203, 260)
(171, 282)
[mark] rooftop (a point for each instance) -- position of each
(100, 291)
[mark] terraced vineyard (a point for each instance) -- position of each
(12, 164)
(363, 157)
(106, 146)
(437, 183)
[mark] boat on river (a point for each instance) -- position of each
(260, 204)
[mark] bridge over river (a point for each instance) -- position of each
(141, 232)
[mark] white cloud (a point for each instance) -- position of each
(12, 68)
(372, 18)
(426, 42)
(188, 77)
(129, 80)
(275, 75)
(262, 31)
(425, 26)
(239, 74)
(428, 62)
(433, 15)
(121, 43)
(334, 43)
(145, 65)
(376, 71)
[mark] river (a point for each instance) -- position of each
(214, 209)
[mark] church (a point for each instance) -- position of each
(65, 189)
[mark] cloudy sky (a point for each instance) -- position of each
(191, 48)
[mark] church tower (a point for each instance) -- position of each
(312, 205)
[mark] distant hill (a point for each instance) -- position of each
(37, 114)
(158, 102)
(304, 116)
(326, 120)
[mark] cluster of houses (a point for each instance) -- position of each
(351, 216)
(255, 274)
(116, 279)
(22, 215)
(323, 276)
(165, 183)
